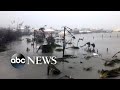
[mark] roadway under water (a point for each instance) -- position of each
(109, 40)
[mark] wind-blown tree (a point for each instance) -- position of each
(26, 29)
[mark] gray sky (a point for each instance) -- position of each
(57, 19)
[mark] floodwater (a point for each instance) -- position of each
(102, 42)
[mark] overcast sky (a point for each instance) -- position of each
(57, 19)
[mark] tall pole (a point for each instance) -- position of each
(34, 39)
(64, 42)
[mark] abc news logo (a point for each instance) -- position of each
(19, 59)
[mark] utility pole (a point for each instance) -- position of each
(64, 42)
(34, 39)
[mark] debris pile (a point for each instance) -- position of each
(110, 73)
(112, 62)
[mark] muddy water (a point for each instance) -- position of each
(109, 40)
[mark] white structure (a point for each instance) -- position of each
(116, 30)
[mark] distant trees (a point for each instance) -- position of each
(7, 35)
(26, 30)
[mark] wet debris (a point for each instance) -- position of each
(62, 60)
(74, 62)
(59, 49)
(57, 45)
(81, 62)
(75, 47)
(28, 40)
(115, 54)
(66, 77)
(20, 39)
(69, 43)
(27, 49)
(112, 62)
(88, 57)
(56, 72)
(52, 69)
(110, 73)
(47, 49)
(70, 67)
(70, 56)
(32, 44)
(87, 69)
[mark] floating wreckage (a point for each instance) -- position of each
(27, 49)
(52, 69)
(76, 47)
(87, 69)
(47, 49)
(28, 40)
(109, 73)
(70, 67)
(87, 57)
(89, 49)
(70, 56)
(112, 62)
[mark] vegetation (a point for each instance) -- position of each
(7, 35)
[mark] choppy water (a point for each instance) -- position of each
(77, 72)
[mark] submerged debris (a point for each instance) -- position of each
(28, 40)
(110, 73)
(56, 45)
(61, 60)
(115, 54)
(47, 49)
(70, 67)
(112, 62)
(87, 69)
(69, 43)
(59, 49)
(70, 56)
(51, 68)
(75, 47)
(27, 49)
(81, 62)
(66, 77)
(88, 57)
